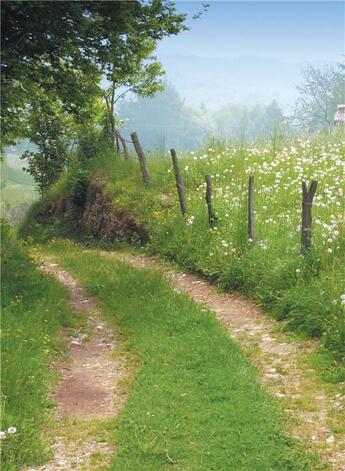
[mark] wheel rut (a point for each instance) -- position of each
(317, 415)
(90, 390)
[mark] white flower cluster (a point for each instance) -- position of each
(10, 431)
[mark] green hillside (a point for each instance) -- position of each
(17, 187)
(107, 201)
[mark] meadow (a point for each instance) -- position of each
(307, 292)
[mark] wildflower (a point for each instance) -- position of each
(186, 168)
(11, 430)
(298, 270)
(2, 435)
(329, 250)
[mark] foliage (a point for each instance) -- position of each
(322, 89)
(204, 417)
(248, 123)
(64, 47)
(33, 312)
(164, 121)
(48, 128)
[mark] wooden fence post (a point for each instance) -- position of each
(179, 182)
(307, 202)
(251, 226)
(142, 159)
(212, 218)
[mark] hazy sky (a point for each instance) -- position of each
(294, 31)
(251, 51)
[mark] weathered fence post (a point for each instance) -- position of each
(212, 218)
(142, 159)
(307, 202)
(124, 144)
(251, 227)
(179, 182)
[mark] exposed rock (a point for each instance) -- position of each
(95, 217)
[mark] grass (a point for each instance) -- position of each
(34, 310)
(195, 402)
(305, 292)
(17, 188)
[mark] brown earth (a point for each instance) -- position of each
(92, 215)
(90, 389)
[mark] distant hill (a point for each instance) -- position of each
(242, 80)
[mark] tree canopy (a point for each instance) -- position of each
(322, 89)
(63, 48)
(164, 121)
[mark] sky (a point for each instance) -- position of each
(294, 31)
(251, 51)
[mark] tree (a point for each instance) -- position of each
(242, 122)
(164, 121)
(48, 128)
(64, 47)
(322, 89)
(143, 79)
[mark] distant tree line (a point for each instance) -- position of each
(164, 120)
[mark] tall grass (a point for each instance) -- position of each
(306, 291)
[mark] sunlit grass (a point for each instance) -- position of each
(307, 292)
(195, 402)
(33, 311)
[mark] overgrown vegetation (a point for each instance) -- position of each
(308, 292)
(194, 403)
(33, 311)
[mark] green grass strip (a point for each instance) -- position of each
(34, 309)
(196, 403)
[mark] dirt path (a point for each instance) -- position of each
(317, 412)
(90, 391)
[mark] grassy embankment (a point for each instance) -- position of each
(195, 403)
(34, 310)
(306, 292)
